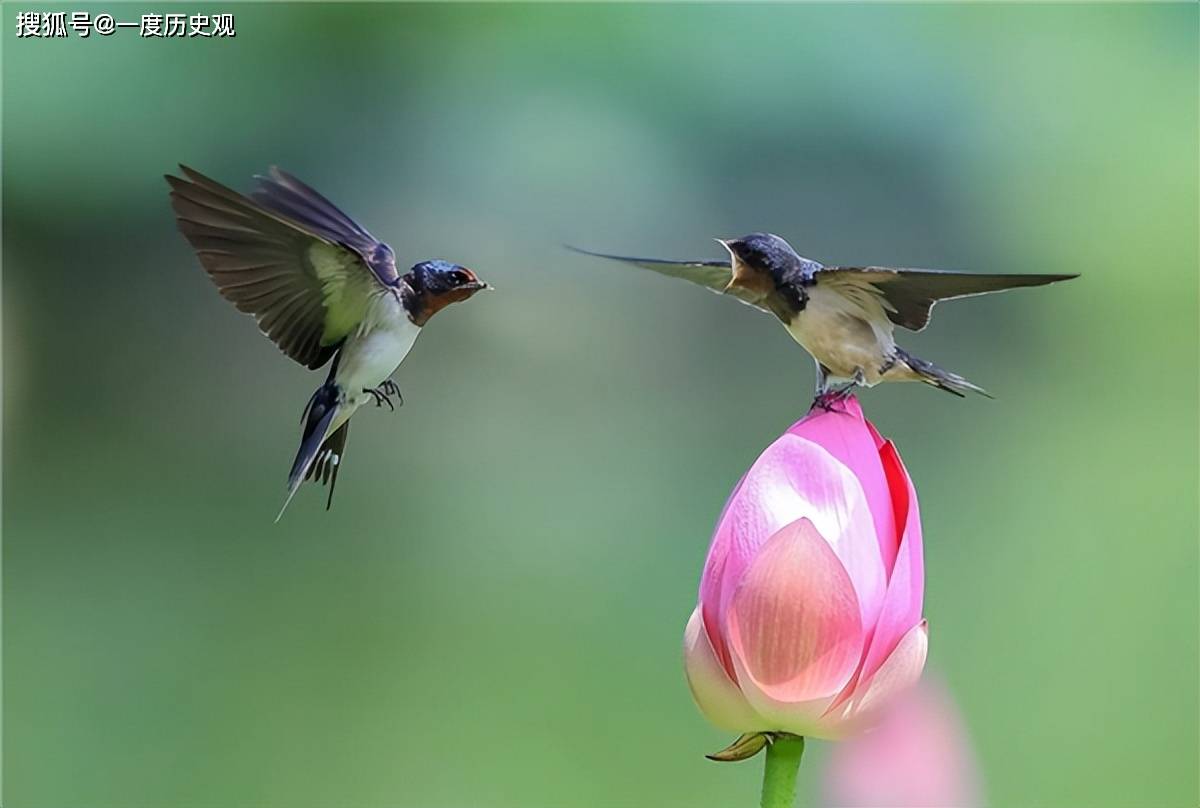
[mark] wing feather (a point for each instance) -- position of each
(262, 259)
(287, 195)
(909, 295)
(712, 275)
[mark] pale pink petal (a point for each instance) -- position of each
(901, 608)
(710, 600)
(794, 627)
(899, 672)
(804, 718)
(795, 478)
(715, 694)
(711, 580)
(918, 755)
(851, 438)
(902, 604)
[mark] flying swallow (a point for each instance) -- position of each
(843, 316)
(321, 288)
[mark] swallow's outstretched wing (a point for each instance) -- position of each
(909, 295)
(303, 269)
(714, 275)
(292, 199)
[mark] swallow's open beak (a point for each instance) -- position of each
(733, 263)
(475, 284)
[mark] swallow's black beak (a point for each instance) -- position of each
(473, 284)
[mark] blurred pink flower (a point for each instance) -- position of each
(810, 603)
(917, 756)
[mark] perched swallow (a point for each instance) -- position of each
(843, 316)
(321, 287)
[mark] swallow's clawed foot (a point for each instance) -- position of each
(380, 397)
(826, 401)
(383, 394)
(821, 401)
(390, 386)
(827, 398)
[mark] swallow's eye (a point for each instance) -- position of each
(459, 277)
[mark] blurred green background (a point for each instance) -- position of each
(491, 615)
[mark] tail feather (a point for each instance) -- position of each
(324, 469)
(941, 379)
(321, 410)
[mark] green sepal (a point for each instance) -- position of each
(744, 748)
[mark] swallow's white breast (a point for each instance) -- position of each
(845, 329)
(376, 348)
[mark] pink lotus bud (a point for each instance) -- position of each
(918, 755)
(810, 604)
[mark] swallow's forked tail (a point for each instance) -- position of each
(942, 379)
(320, 453)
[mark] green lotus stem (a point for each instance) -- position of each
(779, 774)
